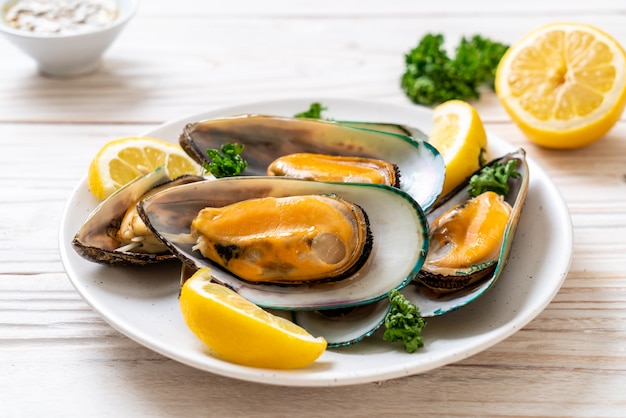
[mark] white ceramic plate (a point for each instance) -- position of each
(142, 302)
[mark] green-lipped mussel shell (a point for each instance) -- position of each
(398, 225)
(265, 138)
(432, 304)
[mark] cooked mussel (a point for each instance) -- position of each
(266, 138)
(465, 259)
(465, 243)
(113, 234)
(322, 167)
(292, 239)
(398, 247)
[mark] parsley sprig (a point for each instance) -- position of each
(227, 162)
(314, 112)
(432, 77)
(404, 323)
(493, 178)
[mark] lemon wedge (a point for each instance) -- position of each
(563, 84)
(459, 136)
(121, 160)
(239, 331)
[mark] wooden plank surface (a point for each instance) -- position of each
(59, 358)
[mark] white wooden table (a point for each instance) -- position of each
(59, 358)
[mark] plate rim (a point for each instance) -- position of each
(327, 378)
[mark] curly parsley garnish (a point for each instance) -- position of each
(432, 77)
(314, 112)
(494, 178)
(404, 323)
(227, 163)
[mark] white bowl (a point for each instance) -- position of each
(68, 55)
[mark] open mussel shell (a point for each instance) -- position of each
(96, 241)
(392, 128)
(265, 138)
(398, 226)
(342, 327)
(432, 304)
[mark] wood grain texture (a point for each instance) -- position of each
(59, 358)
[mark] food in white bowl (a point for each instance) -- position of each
(65, 38)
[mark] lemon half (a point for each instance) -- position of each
(563, 84)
